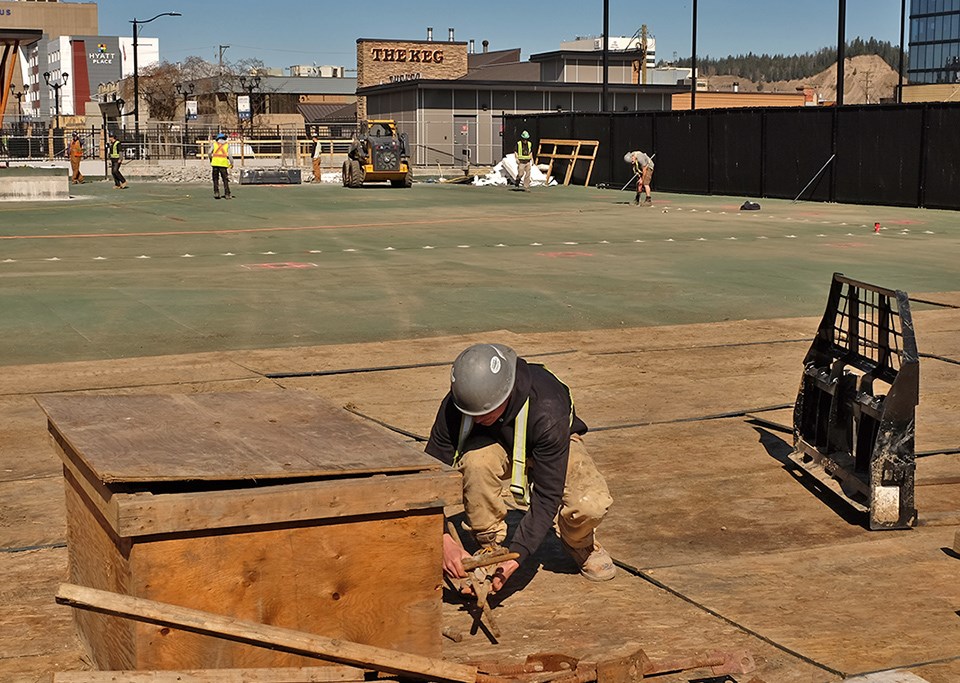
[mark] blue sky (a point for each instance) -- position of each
(285, 32)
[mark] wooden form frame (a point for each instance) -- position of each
(351, 536)
(570, 151)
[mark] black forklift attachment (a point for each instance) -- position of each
(854, 420)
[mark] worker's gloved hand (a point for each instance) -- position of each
(453, 554)
(503, 572)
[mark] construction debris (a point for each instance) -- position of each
(625, 665)
(505, 173)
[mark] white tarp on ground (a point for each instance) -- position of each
(505, 172)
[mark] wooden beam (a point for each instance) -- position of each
(317, 674)
(263, 635)
(551, 149)
(143, 514)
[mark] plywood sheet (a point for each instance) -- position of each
(224, 437)
(32, 513)
(32, 625)
(885, 603)
(124, 372)
(558, 611)
(25, 451)
(697, 492)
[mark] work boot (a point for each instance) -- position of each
(216, 196)
(636, 200)
(648, 202)
(595, 563)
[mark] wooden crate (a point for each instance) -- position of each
(273, 507)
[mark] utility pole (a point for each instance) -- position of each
(643, 52)
(841, 47)
(220, 68)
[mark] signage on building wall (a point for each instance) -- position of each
(243, 107)
(5, 12)
(399, 78)
(101, 55)
(402, 54)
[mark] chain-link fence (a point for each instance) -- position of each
(285, 146)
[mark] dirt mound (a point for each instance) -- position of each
(866, 79)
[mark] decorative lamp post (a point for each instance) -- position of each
(19, 96)
(185, 89)
(136, 73)
(56, 84)
(249, 85)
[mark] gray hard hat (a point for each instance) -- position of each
(482, 378)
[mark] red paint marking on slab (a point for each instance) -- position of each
(564, 254)
(289, 265)
(847, 245)
(300, 228)
(906, 221)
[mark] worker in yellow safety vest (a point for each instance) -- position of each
(116, 159)
(524, 160)
(221, 162)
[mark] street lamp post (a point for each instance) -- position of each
(249, 85)
(185, 89)
(136, 73)
(56, 84)
(19, 96)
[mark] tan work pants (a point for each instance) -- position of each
(486, 488)
(75, 176)
(523, 172)
(316, 169)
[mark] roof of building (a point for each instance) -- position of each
(612, 55)
(9, 36)
(479, 60)
(510, 71)
(318, 113)
(534, 85)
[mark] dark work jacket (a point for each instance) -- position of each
(548, 445)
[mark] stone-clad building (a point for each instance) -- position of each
(450, 100)
(396, 61)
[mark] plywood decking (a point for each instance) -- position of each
(223, 437)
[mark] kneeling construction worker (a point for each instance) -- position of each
(505, 420)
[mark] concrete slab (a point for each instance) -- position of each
(32, 184)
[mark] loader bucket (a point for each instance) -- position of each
(854, 419)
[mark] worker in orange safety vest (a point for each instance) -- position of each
(76, 155)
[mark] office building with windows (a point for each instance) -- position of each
(934, 41)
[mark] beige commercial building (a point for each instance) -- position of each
(451, 101)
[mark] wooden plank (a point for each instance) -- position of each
(572, 157)
(143, 514)
(314, 674)
(297, 642)
(224, 437)
(98, 559)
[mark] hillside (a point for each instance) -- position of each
(867, 79)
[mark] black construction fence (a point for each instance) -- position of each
(897, 155)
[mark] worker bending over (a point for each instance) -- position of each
(510, 428)
(643, 170)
